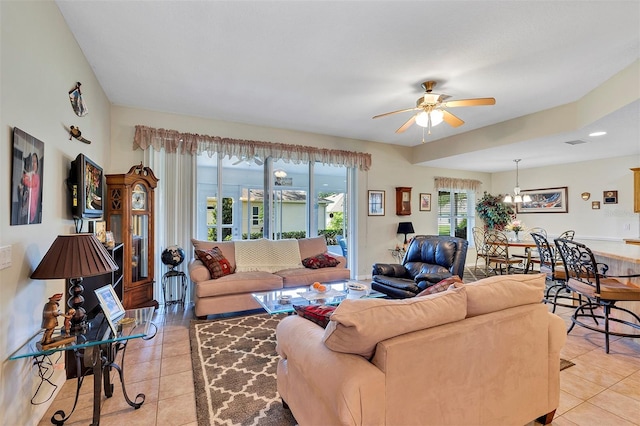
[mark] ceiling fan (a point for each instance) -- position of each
(248, 160)
(431, 112)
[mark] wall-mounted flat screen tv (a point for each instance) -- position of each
(86, 184)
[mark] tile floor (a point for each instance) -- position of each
(599, 390)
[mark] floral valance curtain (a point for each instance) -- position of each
(190, 143)
(455, 183)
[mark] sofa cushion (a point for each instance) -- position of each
(357, 325)
(440, 286)
(215, 262)
(319, 314)
(267, 255)
(322, 260)
(311, 246)
(503, 291)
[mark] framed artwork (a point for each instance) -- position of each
(610, 197)
(26, 179)
(425, 202)
(595, 205)
(375, 203)
(111, 306)
(99, 229)
(545, 200)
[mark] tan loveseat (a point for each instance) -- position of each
(486, 353)
(262, 270)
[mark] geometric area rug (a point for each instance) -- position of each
(234, 371)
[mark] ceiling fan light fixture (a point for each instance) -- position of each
(437, 116)
(422, 118)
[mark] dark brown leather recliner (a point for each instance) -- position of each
(429, 259)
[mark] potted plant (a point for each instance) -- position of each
(494, 212)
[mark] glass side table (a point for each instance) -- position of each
(99, 347)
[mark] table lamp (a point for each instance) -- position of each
(73, 257)
(405, 228)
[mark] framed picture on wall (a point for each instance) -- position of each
(27, 178)
(545, 200)
(425, 202)
(375, 206)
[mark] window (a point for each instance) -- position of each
(455, 213)
(256, 218)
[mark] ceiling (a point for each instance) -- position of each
(328, 67)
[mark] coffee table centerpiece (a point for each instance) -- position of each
(282, 300)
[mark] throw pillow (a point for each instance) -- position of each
(322, 260)
(440, 286)
(215, 262)
(320, 314)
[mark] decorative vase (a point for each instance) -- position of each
(517, 235)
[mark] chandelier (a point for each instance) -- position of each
(516, 197)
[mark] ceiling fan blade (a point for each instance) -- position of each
(407, 124)
(469, 102)
(395, 112)
(451, 119)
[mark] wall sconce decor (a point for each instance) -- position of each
(585, 196)
(595, 205)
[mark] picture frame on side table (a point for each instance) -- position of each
(425, 202)
(99, 229)
(111, 306)
(375, 203)
(545, 200)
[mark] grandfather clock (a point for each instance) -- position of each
(129, 215)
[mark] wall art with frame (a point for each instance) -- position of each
(545, 200)
(425, 202)
(26, 178)
(375, 203)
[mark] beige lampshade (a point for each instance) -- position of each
(75, 256)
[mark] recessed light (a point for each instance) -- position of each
(597, 133)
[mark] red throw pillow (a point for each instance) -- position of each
(216, 263)
(322, 260)
(440, 286)
(320, 314)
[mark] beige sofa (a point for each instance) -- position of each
(259, 272)
(486, 353)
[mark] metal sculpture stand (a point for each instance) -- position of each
(182, 287)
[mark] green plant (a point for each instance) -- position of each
(494, 213)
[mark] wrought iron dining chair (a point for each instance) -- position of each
(481, 248)
(568, 235)
(556, 275)
(533, 253)
(498, 253)
(588, 278)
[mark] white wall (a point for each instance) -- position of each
(611, 221)
(40, 62)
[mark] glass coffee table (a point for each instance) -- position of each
(282, 300)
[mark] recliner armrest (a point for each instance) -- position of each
(390, 270)
(431, 277)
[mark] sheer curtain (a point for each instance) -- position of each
(175, 210)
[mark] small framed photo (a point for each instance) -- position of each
(610, 197)
(111, 306)
(99, 229)
(595, 205)
(425, 202)
(375, 206)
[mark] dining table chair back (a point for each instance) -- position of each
(557, 293)
(589, 278)
(497, 245)
(481, 247)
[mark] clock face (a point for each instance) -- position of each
(139, 198)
